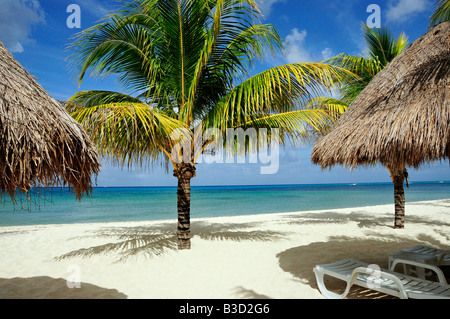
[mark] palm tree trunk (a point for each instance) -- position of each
(399, 196)
(398, 177)
(184, 172)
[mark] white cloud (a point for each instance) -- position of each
(266, 6)
(95, 7)
(295, 51)
(327, 53)
(402, 10)
(17, 18)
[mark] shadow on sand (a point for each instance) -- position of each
(300, 261)
(362, 218)
(45, 287)
(155, 240)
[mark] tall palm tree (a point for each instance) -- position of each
(441, 14)
(186, 66)
(382, 48)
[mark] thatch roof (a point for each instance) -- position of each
(403, 116)
(40, 143)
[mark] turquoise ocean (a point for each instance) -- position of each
(118, 204)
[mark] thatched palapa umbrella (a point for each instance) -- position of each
(40, 143)
(402, 118)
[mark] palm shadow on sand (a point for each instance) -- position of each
(362, 218)
(154, 240)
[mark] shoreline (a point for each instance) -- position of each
(232, 257)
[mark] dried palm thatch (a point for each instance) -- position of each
(402, 117)
(40, 144)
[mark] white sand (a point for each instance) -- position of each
(259, 256)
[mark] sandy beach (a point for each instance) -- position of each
(257, 256)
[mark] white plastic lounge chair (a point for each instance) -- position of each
(422, 254)
(442, 256)
(355, 272)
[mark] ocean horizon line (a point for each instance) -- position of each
(281, 185)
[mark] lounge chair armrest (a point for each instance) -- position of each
(320, 272)
(379, 274)
(442, 255)
(434, 268)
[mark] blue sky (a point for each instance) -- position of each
(36, 33)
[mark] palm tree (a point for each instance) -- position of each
(186, 66)
(441, 14)
(382, 48)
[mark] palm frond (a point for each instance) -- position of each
(334, 107)
(237, 40)
(381, 44)
(364, 69)
(360, 66)
(128, 132)
(441, 14)
(279, 89)
(99, 97)
(231, 46)
(115, 47)
(296, 126)
(219, 68)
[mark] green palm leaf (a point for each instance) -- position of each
(381, 44)
(441, 14)
(334, 107)
(296, 126)
(382, 48)
(128, 132)
(276, 90)
(98, 97)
